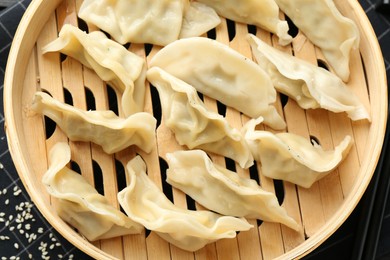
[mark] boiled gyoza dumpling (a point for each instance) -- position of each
(309, 85)
(112, 62)
(193, 125)
(148, 21)
(101, 127)
(79, 204)
(327, 28)
(262, 13)
(290, 157)
(137, 21)
(198, 19)
(219, 72)
(223, 191)
(190, 230)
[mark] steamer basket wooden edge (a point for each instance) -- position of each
(15, 81)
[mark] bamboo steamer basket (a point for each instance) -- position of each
(320, 210)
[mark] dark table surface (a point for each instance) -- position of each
(25, 234)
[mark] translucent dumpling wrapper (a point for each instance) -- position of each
(79, 204)
(147, 21)
(221, 73)
(323, 24)
(198, 19)
(104, 128)
(262, 13)
(136, 21)
(193, 125)
(190, 230)
(311, 86)
(293, 158)
(113, 63)
(222, 190)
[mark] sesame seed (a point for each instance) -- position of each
(30, 239)
(51, 246)
(1, 166)
(11, 228)
(2, 214)
(30, 256)
(4, 238)
(6, 202)
(4, 191)
(27, 226)
(16, 245)
(16, 188)
(43, 244)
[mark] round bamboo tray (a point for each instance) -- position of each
(320, 210)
